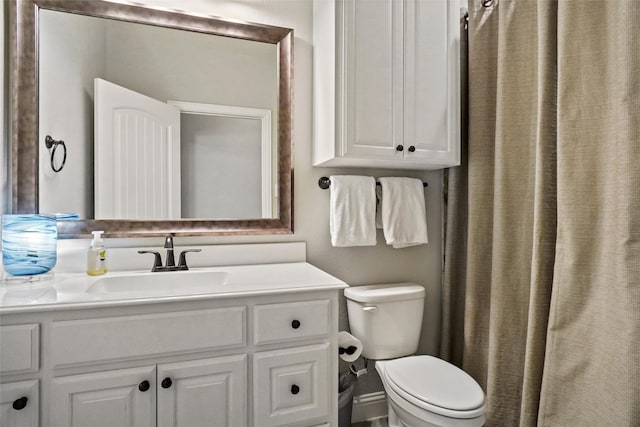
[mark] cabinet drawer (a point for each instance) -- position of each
(25, 394)
(19, 349)
(291, 321)
(292, 385)
(116, 338)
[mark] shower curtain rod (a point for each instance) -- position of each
(325, 183)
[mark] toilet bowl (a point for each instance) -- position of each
(422, 391)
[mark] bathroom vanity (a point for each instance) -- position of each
(258, 349)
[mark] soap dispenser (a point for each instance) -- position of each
(96, 255)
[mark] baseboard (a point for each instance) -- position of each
(369, 406)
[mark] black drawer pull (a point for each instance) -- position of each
(399, 147)
(295, 324)
(144, 386)
(295, 389)
(166, 383)
(20, 404)
(412, 148)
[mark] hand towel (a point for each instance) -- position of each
(352, 219)
(403, 212)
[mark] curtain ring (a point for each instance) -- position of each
(487, 3)
(50, 142)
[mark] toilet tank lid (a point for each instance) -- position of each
(385, 292)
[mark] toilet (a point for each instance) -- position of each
(422, 391)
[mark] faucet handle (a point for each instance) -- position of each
(182, 261)
(157, 261)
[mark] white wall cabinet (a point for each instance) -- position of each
(265, 360)
(387, 83)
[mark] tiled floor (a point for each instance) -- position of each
(378, 422)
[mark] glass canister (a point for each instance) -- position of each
(29, 244)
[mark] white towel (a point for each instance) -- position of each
(403, 212)
(352, 220)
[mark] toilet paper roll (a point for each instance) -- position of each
(349, 347)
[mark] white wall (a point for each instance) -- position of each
(66, 110)
(167, 71)
(221, 167)
(356, 266)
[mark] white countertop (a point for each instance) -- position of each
(72, 290)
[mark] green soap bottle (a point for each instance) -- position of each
(96, 256)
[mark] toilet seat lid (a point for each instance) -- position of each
(435, 382)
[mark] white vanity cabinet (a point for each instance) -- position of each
(387, 83)
(267, 359)
(293, 382)
(194, 393)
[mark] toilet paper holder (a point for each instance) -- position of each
(349, 350)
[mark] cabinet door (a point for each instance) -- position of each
(124, 398)
(19, 404)
(204, 393)
(387, 83)
(291, 386)
(431, 81)
(373, 78)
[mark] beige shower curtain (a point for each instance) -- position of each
(542, 290)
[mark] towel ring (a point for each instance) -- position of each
(49, 143)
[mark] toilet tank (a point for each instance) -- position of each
(386, 318)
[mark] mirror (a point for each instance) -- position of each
(257, 111)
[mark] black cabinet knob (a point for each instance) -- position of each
(20, 404)
(144, 386)
(166, 383)
(295, 389)
(412, 148)
(399, 147)
(295, 324)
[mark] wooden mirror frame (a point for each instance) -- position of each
(23, 53)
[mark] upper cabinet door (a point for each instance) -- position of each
(373, 55)
(387, 83)
(430, 94)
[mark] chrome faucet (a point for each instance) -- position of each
(170, 264)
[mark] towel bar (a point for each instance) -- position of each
(324, 183)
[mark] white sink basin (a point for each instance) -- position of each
(165, 283)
